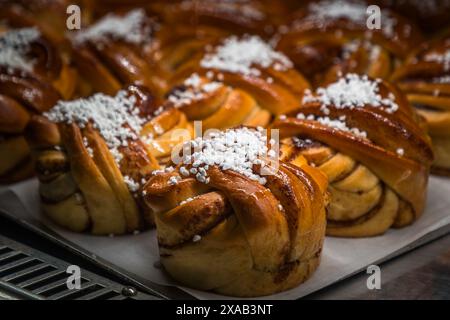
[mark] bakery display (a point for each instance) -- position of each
(167, 114)
(425, 79)
(224, 225)
(240, 81)
(33, 76)
(92, 157)
(327, 37)
(365, 137)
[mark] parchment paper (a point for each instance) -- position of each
(138, 254)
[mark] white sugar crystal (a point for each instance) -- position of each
(244, 56)
(235, 149)
(441, 58)
(351, 10)
(14, 46)
(133, 186)
(339, 9)
(193, 81)
(352, 91)
(90, 151)
(400, 151)
(187, 200)
(165, 170)
(338, 124)
(158, 111)
(196, 238)
(174, 180)
(442, 80)
(351, 47)
(184, 171)
(115, 118)
(193, 90)
(130, 28)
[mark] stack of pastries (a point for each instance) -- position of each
(243, 131)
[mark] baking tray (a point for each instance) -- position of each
(16, 212)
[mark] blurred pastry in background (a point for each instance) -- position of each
(425, 79)
(34, 75)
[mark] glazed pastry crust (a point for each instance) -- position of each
(372, 187)
(82, 187)
(424, 84)
(255, 239)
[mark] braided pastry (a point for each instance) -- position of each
(33, 76)
(364, 136)
(263, 78)
(92, 158)
(224, 226)
(425, 79)
(236, 17)
(117, 51)
(327, 37)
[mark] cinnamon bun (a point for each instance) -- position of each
(225, 226)
(327, 38)
(366, 138)
(256, 73)
(92, 157)
(116, 51)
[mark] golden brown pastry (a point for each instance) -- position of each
(327, 37)
(216, 105)
(236, 17)
(251, 67)
(92, 157)
(33, 76)
(116, 51)
(364, 136)
(425, 79)
(226, 225)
